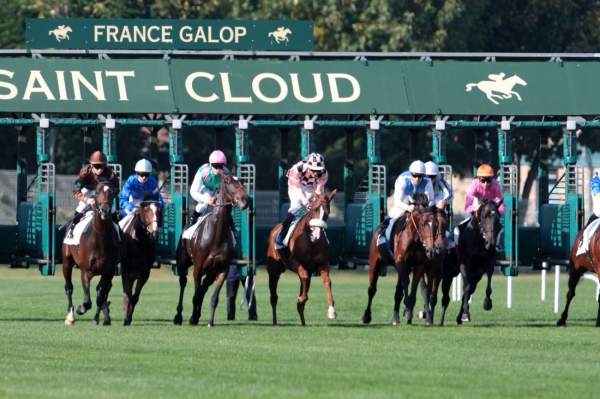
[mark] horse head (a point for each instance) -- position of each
(488, 219)
(425, 225)
(234, 192)
(149, 216)
(319, 213)
(440, 234)
(105, 195)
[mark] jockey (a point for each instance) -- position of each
(83, 189)
(407, 184)
(595, 190)
(207, 183)
(485, 186)
(442, 193)
(139, 187)
(304, 178)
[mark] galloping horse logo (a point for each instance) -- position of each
(280, 35)
(61, 33)
(498, 87)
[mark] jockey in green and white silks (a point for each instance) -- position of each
(207, 183)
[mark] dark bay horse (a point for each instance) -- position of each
(210, 250)
(414, 247)
(97, 254)
(308, 253)
(578, 265)
(476, 256)
(139, 244)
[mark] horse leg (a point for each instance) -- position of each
(141, 281)
(303, 297)
(87, 301)
(67, 273)
(199, 296)
(214, 301)
(102, 303)
(398, 295)
(178, 319)
(425, 294)
(273, 280)
(487, 302)
(127, 281)
(574, 276)
(373, 277)
(446, 284)
(411, 299)
(331, 314)
(433, 293)
(464, 307)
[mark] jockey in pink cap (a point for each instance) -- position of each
(207, 182)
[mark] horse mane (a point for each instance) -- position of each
(420, 199)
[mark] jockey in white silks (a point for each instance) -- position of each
(407, 184)
(140, 186)
(304, 178)
(588, 233)
(207, 183)
(442, 193)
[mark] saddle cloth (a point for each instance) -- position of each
(126, 221)
(588, 233)
(80, 228)
(189, 233)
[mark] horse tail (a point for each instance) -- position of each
(470, 86)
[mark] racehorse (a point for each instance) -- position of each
(139, 243)
(503, 87)
(308, 253)
(210, 249)
(413, 247)
(476, 256)
(97, 254)
(578, 265)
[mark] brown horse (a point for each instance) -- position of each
(139, 242)
(414, 247)
(97, 254)
(578, 265)
(210, 250)
(308, 253)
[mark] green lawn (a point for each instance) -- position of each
(503, 353)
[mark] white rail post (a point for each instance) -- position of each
(556, 287)
(509, 293)
(544, 273)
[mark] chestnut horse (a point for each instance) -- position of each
(308, 253)
(476, 253)
(139, 244)
(578, 265)
(210, 250)
(414, 247)
(97, 254)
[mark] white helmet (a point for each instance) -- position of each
(417, 167)
(431, 169)
(315, 161)
(143, 166)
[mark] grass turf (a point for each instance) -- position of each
(514, 352)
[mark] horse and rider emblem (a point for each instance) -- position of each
(280, 35)
(498, 87)
(61, 32)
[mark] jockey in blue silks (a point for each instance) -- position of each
(141, 186)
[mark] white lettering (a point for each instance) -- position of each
(185, 34)
(318, 89)
(283, 89)
(210, 38)
(125, 35)
(333, 87)
(156, 39)
(166, 31)
(98, 31)
(139, 33)
(189, 87)
(227, 91)
(240, 31)
(12, 89)
(111, 31)
(226, 34)
(97, 91)
(62, 87)
(121, 86)
(42, 87)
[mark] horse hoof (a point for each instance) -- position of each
(178, 320)
(421, 315)
(366, 319)
(96, 322)
(395, 319)
(561, 323)
(126, 322)
(81, 310)
(459, 320)
(465, 317)
(69, 322)
(194, 321)
(253, 317)
(331, 314)
(209, 325)
(487, 304)
(106, 322)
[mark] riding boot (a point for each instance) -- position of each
(385, 249)
(591, 219)
(193, 219)
(76, 219)
(285, 226)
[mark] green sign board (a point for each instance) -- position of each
(170, 34)
(297, 88)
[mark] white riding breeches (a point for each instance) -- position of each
(296, 199)
(82, 205)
